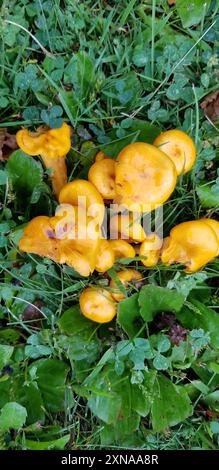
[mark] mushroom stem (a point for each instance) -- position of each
(59, 172)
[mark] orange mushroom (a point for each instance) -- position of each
(100, 156)
(102, 175)
(130, 276)
(83, 194)
(52, 145)
(193, 244)
(145, 177)
(179, 147)
(127, 226)
(97, 305)
(150, 250)
(105, 257)
(122, 249)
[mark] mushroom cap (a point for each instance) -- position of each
(100, 156)
(150, 249)
(127, 226)
(145, 177)
(102, 176)
(97, 305)
(39, 238)
(105, 257)
(179, 147)
(83, 194)
(51, 143)
(129, 276)
(214, 224)
(193, 244)
(122, 249)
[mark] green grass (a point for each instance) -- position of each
(107, 68)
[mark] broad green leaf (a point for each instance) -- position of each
(197, 315)
(56, 444)
(137, 130)
(208, 198)
(5, 354)
(13, 416)
(212, 400)
(191, 13)
(161, 362)
(142, 396)
(171, 404)
(153, 300)
(51, 379)
(129, 315)
(30, 397)
(72, 322)
(116, 433)
(24, 172)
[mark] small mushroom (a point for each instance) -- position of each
(100, 156)
(97, 305)
(150, 250)
(105, 257)
(83, 194)
(179, 147)
(102, 176)
(52, 145)
(127, 226)
(145, 177)
(127, 277)
(122, 249)
(193, 244)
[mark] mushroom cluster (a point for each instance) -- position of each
(139, 180)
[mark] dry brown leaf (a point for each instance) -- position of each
(210, 105)
(8, 143)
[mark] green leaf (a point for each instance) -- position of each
(171, 404)
(3, 177)
(51, 379)
(30, 397)
(197, 315)
(52, 117)
(129, 315)
(24, 172)
(161, 362)
(191, 13)
(56, 444)
(72, 322)
(13, 416)
(214, 425)
(142, 396)
(137, 130)
(5, 354)
(154, 299)
(208, 198)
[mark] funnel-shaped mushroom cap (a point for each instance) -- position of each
(191, 243)
(97, 305)
(39, 239)
(100, 156)
(122, 249)
(44, 236)
(145, 177)
(127, 278)
(127, 226)
(179, 147)
(214, 224)
(83, 194)
(51, 143)
(105, 257)
(102, 176)
(150, 250)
